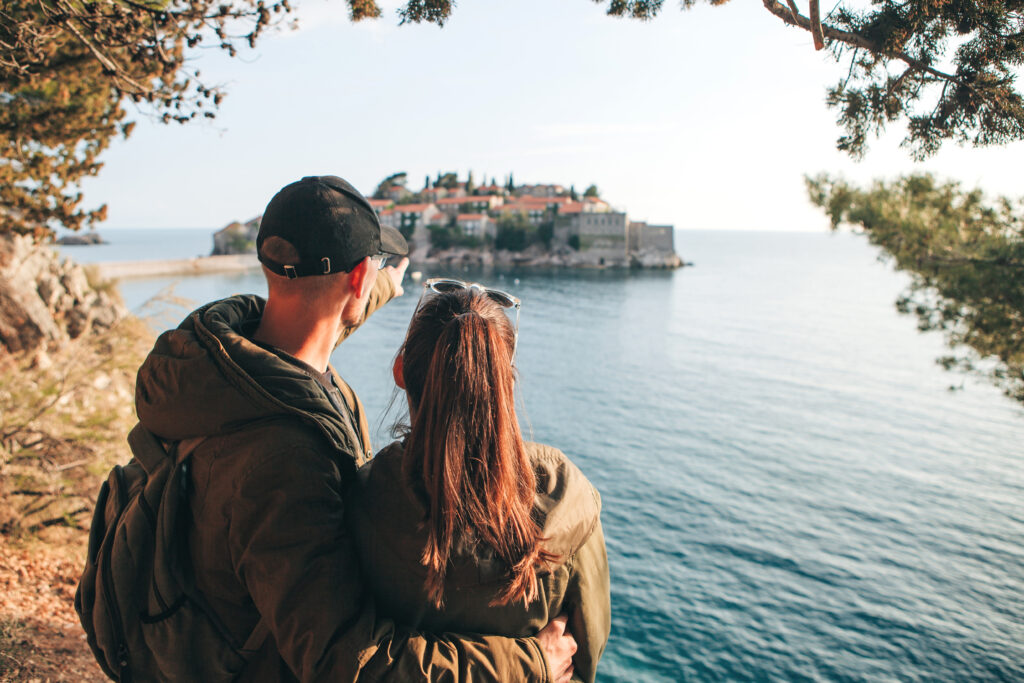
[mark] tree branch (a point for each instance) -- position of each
(800, 21)
(794, 11)
(815, 12)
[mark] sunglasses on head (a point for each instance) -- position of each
(442, 285)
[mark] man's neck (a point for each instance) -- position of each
(300, 332)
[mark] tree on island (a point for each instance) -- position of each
(385, 185)
(965, 257)
(591, 191)
(515, 232)
(448, 181)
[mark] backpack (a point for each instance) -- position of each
(143, 617)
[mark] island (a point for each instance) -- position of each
(81, 240)
(456, 222)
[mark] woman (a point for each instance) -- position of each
(463, 526)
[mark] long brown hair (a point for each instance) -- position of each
(465, 442)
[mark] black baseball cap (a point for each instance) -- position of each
(329, 223)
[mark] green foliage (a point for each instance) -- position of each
(574, 242)
(591, 191)
(381, 192)
(965, 256)
(515, 232)
(448, 236)
(894, 73)
(545, 233)
(239, 243)
(448, 181)
(66, 70)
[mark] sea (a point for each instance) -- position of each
(793, 489)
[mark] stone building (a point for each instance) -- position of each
(599, 238)
(645, 237)
(412, 220)
(476, 225)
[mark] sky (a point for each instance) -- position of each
(705, 119)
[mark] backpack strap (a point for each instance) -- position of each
(180, 452)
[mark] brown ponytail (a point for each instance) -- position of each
(465, 442)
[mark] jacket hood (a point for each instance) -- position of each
(567, 504)
(206, 378)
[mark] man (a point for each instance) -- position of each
(284, 435)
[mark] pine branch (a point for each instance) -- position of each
(855, 40)
(815, 12)
(794, 10)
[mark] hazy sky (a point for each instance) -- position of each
(705, 119)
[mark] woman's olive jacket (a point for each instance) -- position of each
(386, 515)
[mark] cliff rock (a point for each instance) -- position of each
(236, 238)
(45, 301)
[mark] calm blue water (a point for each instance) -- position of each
(126, 244)
(791, 492)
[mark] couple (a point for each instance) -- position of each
(450, 555)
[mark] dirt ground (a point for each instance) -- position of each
(41, 640)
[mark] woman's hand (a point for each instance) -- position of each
(559, 646)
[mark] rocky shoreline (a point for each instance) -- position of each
(537, 257)
(456, 257)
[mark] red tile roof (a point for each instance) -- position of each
(543, 200)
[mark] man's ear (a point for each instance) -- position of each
(397, 370)
(359, 280)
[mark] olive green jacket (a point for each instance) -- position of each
(386, 514)
(268, 536)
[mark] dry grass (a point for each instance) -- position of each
(63, 421)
